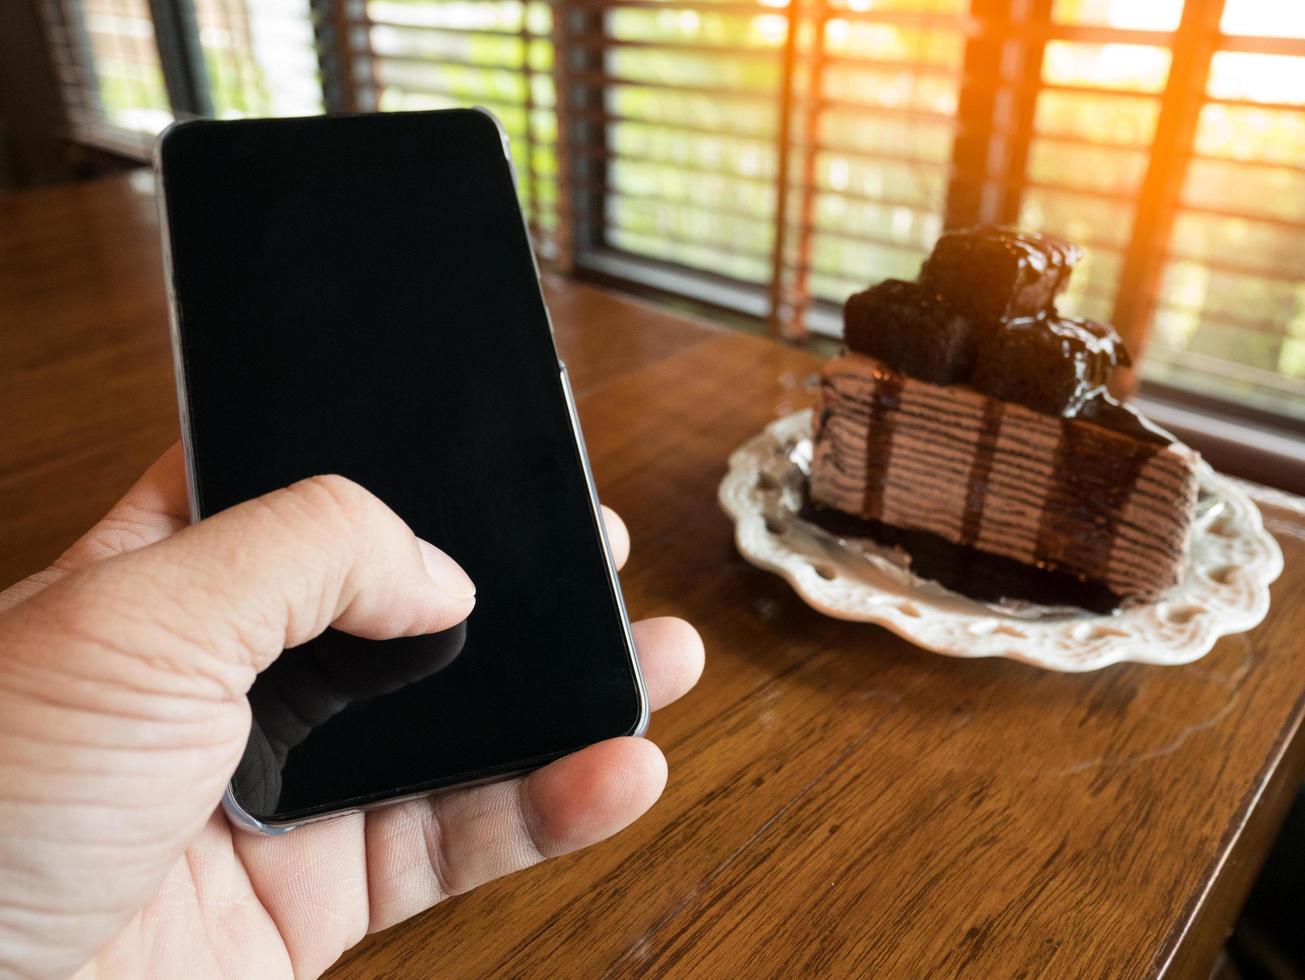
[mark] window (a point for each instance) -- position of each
(107, 61)
(1230, 310)
(772, 156)
(259, 56)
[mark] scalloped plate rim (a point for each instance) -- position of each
(1120, 649)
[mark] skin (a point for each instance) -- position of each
(123, 674)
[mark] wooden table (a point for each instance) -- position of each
(839, 801)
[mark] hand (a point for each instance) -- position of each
(123, 674)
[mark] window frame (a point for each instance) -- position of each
(1000, 81)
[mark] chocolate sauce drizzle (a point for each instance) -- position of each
(976, 490)
(1095, 478)
(884, 400)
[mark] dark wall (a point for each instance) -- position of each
(33, 146)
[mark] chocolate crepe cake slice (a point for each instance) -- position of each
(969, 422)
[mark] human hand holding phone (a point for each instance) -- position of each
(124, 670)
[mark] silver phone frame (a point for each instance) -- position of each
(237, 814)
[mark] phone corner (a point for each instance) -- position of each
(242, 819)
(500, 130)
(640, 729)
(167, 137)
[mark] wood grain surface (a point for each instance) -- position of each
(839, 803)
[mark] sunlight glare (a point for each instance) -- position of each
(1264, 18)
(771, 28)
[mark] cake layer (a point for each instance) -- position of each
(1067, 494)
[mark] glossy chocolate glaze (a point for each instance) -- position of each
(1110, 413)
(993, 273)
(1094, 477)
(1051, 364)
(967, 570)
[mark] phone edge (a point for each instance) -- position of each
(595, 505)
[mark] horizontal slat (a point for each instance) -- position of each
(603, 80)
(1257, 164)
(863, 238)
(843, 149)
(1219, 368)
(766, 221)
(921, 68)
(716, 245)
(1099, 34)
(489, 101)
(1236, 268)
(1104, 91)
(452, 31)
(841, 105)
(1254, 104)
(1243, 216)
(582, 180)
(601, 42)
(920, 20)
(1056, 187)
(1262, 45)
(592, 152)
(705, 49)
(610, 193)
(616, 118)
(1224, 318)
(124, 142)
(451, 61)
(883, 202)
(815, 227)
(1090, 142)
(873, 109)
(833, 148)
(702, 6)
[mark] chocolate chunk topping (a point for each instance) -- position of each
(1052, 364)
(913, 329)
(982, 314)
(991, 274)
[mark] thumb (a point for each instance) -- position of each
(215, 603)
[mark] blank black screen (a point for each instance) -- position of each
(356, 295)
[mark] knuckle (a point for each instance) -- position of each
(332, 501)
(333, 490)
(113, 535)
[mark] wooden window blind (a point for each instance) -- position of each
(106, 59)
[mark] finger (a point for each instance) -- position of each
(415, 854)
(217, 602)
(671, 657)
(618, 536)
(421, 852)
(154, 508)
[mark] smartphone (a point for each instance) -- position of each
(358, 295)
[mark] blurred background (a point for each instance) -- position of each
(762, 160)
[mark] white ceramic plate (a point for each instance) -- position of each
(1224, 585)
